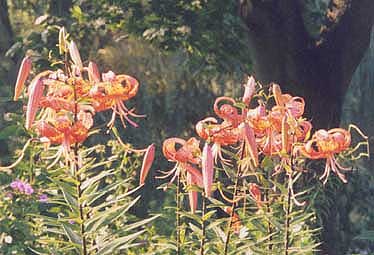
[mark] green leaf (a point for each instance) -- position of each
(73, 237)
(95, 178)
(106, 217)
(111, 246)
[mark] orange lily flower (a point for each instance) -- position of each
(259, 120)
(293, 105)
(188, 153)
(325, 144)
(111, 93)
(219, 134)
(228, 112)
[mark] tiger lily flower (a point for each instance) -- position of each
(219, 134)
(185, 157)
(325, 144)
(23, 73)
(293, 105)
(259, 120)
(228, 112)
(111, 93)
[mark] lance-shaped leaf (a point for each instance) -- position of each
(208, 164)
(147, 163)
(23, 73)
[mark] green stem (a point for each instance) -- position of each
(79, 182)
(269, 227)
(203, 225)
(287, 222)
(233, 205)
(80, 206)
(178, 215)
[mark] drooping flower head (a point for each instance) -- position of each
(111, 94)
(324, 144)
(185, 154)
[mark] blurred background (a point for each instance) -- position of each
(186, 53)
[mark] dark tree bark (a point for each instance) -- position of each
(318, 69)
(60, 8)
(5, 28)
(6, 40)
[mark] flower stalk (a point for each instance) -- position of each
(178, 219)
(203, 224)
(233, 204)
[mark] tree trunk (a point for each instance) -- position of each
(60, 8)
(6, 40)
(5, 28)
(283, 51)
(317, 68)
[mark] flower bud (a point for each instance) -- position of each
(35, 94)
(23, 73)
(207, 163)
(250, 140)
(62, 41)
(75, 56)
(249, 90)
(147, 163)
(93, 72)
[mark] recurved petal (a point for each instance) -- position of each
(147, 163)
(23, 73)
(168, 147)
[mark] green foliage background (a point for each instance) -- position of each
(184, 54)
